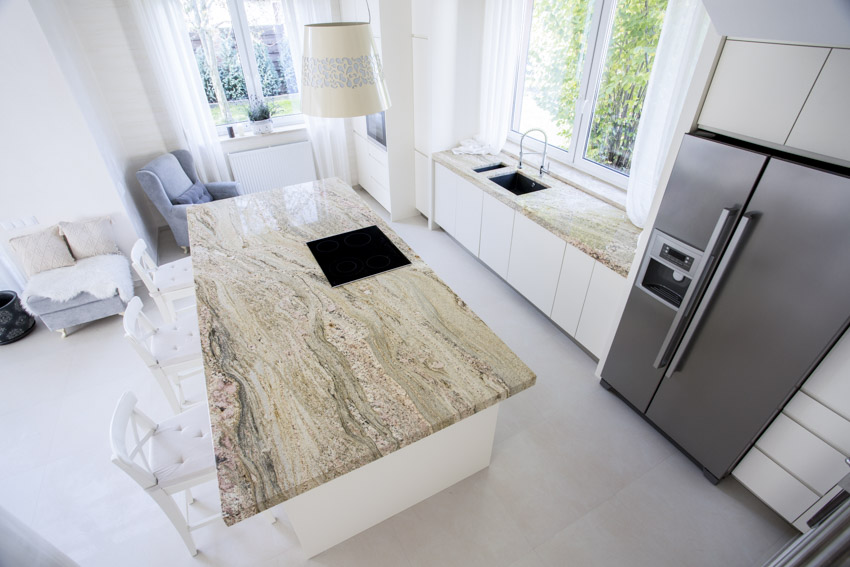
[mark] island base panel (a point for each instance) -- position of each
(337, 510)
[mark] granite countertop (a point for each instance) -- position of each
(597, 228)
(307, 382)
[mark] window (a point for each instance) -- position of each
(582, 78)
(243, 53)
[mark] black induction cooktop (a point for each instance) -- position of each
(355, 255)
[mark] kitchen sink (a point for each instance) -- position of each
(518, 184)
(484, 168)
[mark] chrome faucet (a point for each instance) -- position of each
(543, 168)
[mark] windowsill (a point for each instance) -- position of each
(594, 186)
(247, 133)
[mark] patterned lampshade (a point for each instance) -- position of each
(342, 75)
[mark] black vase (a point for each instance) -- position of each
(15, 323)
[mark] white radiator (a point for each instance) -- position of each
(270, 168)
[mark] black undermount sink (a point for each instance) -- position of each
(484, 168)
(518, 184)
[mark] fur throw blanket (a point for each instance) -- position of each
(100, 276)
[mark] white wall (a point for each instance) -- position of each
(102, 56)
(813, 22)
(397, 54)
(52, 166)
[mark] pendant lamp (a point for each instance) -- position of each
(342, 75)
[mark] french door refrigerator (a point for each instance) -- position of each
(744, 287)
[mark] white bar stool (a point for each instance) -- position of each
(166, 284)
(172, 351)
(166, 459)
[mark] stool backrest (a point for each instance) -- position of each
(143, 264)
(138, 329)
(127, 421)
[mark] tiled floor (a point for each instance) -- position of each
(576, 477)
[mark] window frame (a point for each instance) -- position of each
(598, 38)
(250, 71)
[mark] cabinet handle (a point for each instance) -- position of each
(725, 261)
(682, 315)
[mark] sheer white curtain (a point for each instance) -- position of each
(166, 38)
(502, 31)
(685, 25)
(327, 135)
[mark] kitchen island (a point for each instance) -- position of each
(393, 376)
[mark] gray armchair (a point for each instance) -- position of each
(170, 181)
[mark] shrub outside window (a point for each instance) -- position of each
(242, 51)
(582, 78)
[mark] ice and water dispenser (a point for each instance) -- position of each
(668, 269)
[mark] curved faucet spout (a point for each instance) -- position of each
(543, 168)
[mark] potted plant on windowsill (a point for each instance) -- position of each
(259, 114)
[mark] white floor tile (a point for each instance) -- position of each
(576, 478)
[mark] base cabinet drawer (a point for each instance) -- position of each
(497, 225)
(774, 486)
(803, 454)
(535, 263)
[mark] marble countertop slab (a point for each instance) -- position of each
(307, 382)
(599, 229)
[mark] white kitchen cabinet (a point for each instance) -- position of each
(807, 442)
(821, 421)
(774, 485)
(372, 171)
(758, 89)
(422, 172)
(468, 215)
(825, 119)
(829, 384)
(497, 225)
(572, 289)
(600, 308)
(421, 96)
(801, 522)
(803, 454)
(535, 262)
(445, 198)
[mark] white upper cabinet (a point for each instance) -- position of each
(536, 256)
(468, 215)
(824, 123)
(497, 225)
(758, 89)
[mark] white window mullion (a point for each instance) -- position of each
(606, 26)
(525, 38)
(590, 77)
(245, 47)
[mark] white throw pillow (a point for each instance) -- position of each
(42, 251)
(91, 237)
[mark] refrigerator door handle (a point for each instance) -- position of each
(682, 315)
(725, 261)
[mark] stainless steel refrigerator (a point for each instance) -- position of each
(744, 287)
